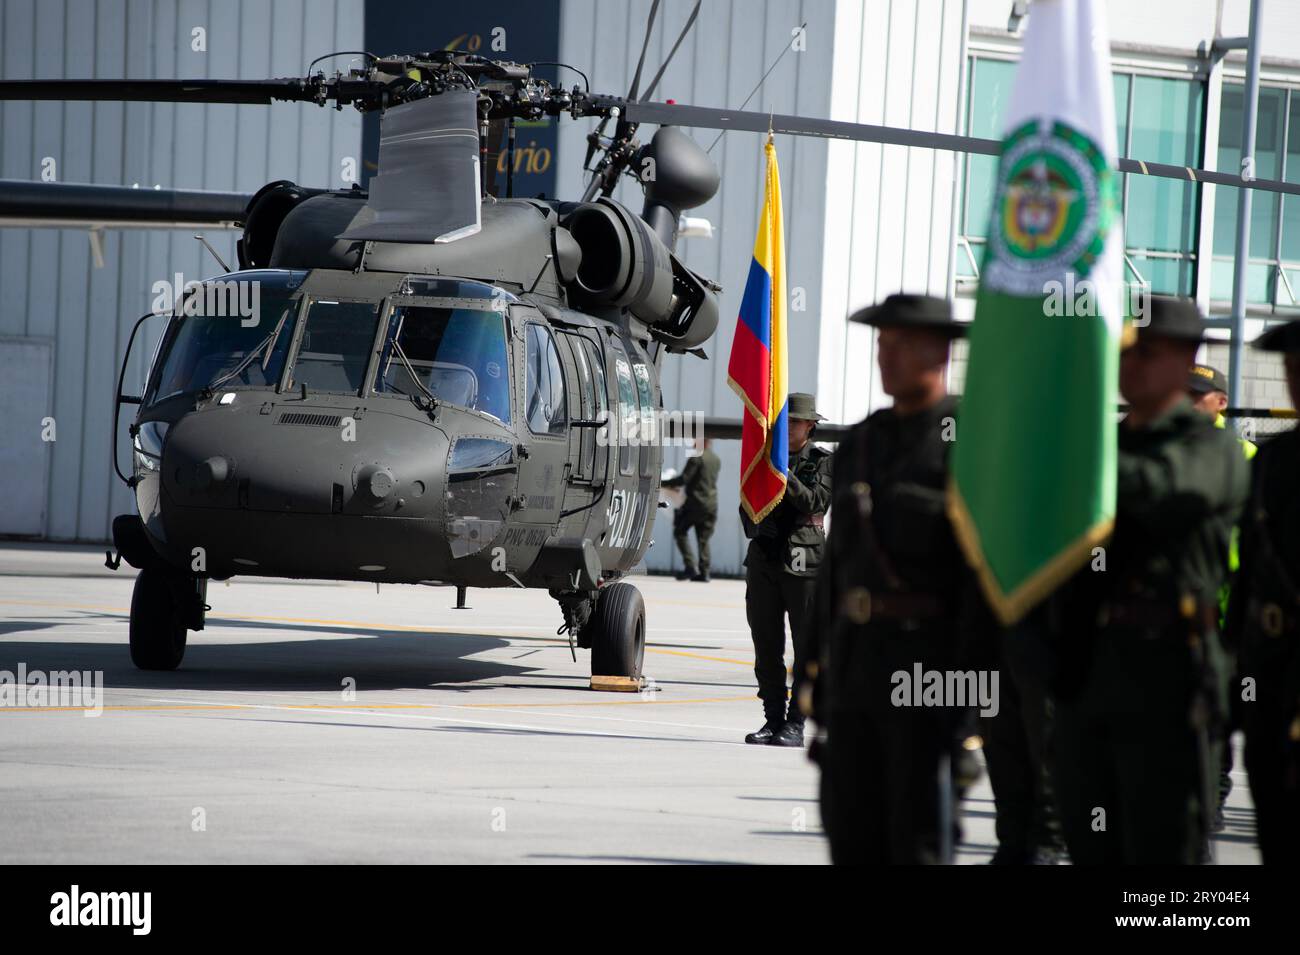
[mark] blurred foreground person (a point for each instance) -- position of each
(1144, 682)
(1264, 624)
(887, 602)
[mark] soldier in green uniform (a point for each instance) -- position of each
(1207, 389)
(699, 481)
(889, 597)
(785, 550)
(1144, 673)
(1264, 625)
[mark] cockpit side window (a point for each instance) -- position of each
(544, 383)
(458, 354)
(337, 340)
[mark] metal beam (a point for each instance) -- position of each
(1241, 256)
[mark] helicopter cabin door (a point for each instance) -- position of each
(543, 432)
(588, 401)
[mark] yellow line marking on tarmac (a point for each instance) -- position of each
(362, 625)
(363, 709)
(124, 707)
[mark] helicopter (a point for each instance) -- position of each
(419, 382)
(423, 381)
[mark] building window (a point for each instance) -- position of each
(1273, 266)
(1156, 118)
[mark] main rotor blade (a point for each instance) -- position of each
(645, 45)
(690, 22)
(702, 117)
(427, 189)
(82, 205)
(261, 92)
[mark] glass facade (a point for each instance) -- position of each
(1273, 269)
(1162, 118)
(1156, 118)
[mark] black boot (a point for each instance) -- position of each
(702, 576)
(686, 573)
(764, 735)
(771, 726)
(790, 734)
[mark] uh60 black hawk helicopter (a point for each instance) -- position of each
(475, 350)
(435, 382)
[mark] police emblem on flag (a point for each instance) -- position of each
(1054, 206)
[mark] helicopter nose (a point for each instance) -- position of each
(211, 472)
(292, 462)
(376, 482)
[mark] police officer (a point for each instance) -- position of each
(888, 598)
(699, 481)
(1207, 389)
(785, 551)
(1264, 622)
(1145, 673)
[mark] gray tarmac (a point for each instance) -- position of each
(325, 722)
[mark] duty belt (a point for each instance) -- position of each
(861, 605)
(1150, 614)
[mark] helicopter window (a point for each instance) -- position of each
(627, 413)
(583, 405)
(458, 354)
(597, 363)
(646, 427)
(581, 399)
(544, 383)
(472, 454)
(336, 343)
(203, 348)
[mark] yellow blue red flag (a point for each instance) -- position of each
(757, 368)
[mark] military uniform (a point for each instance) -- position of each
(1202, 381)
(1144, 672)
(889, 597)
(1264, 624)
(785, 550)
(1017, 738)
(699, 512)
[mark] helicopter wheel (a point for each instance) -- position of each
(157, 622)
(618, 632)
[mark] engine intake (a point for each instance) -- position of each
(626, 265)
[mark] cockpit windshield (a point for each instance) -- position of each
(457, 353)
(234, 332)
(338, 339)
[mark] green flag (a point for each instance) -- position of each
(1033, 485)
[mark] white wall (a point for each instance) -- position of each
(732, 45)
(896, 63)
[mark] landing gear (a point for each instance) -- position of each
(616, 632)
(163, 606)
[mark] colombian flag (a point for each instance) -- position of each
(757, 369)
